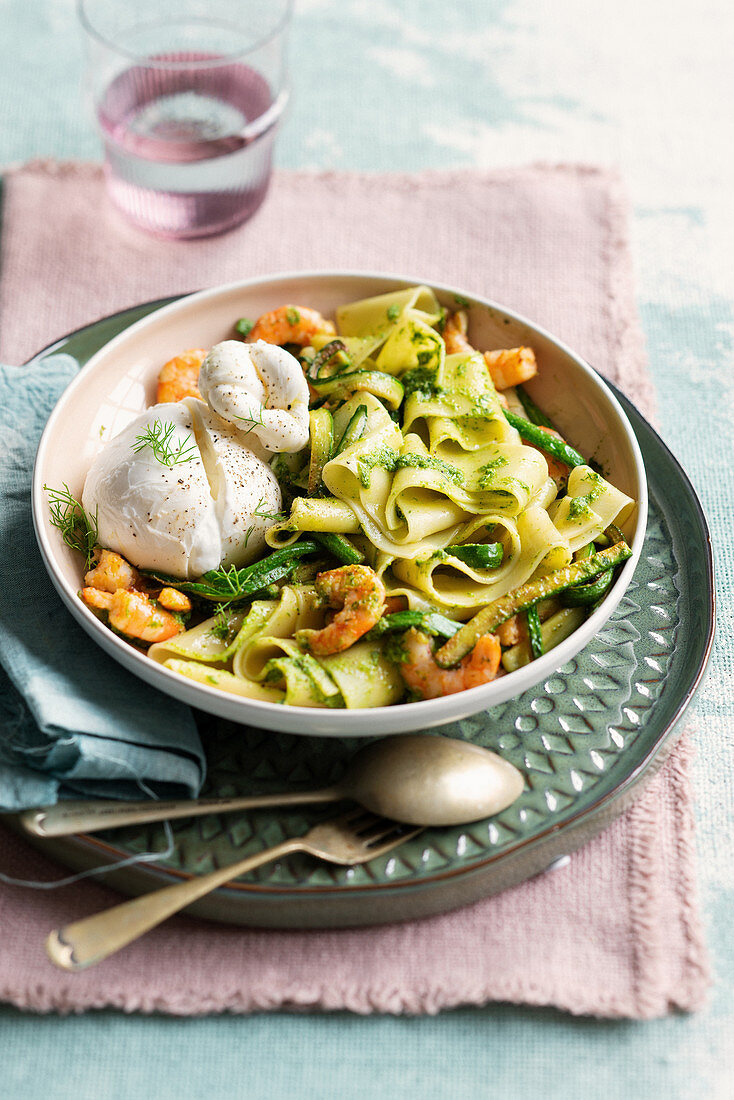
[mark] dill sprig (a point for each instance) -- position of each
(253, 421)
(79, 530)
(263, 512)
(222, 625)
(157, 436)
(226, 581)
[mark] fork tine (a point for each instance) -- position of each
(371, 833)
(392, 835)
(376, 832)
(356, 814)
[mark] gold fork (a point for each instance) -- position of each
(354, 837)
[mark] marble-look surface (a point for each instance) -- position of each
(405, 85)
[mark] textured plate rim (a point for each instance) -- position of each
(100, 848)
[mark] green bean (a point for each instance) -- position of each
(541, 438)
(232, 584)
(532, 412)
(342, 549)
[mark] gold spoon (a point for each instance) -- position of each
(417, 778)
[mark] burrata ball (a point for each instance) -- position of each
(199, 499)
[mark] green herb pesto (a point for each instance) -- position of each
(580, 507)
(222, 625)
(461, 301)
(393, 312)
(384, 459)
(486, 474)
(484, 406)
(293, 316)
(427, 346)
(428, 462)
(395, 650)
(390, 460)
(422, 382)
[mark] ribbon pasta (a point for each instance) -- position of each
(410, 489)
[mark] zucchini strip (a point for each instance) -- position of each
(321, 430)
(554, 630)
(478, 555)
(335, 354)
(353, 431)
(581, 594)
(376, 382)
(525, 596)
(539, 437)
(535, 634)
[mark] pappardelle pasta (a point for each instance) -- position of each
(349, 513)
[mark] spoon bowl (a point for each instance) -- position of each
(423, 779)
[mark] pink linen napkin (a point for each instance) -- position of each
(617, 931)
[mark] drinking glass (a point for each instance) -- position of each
(187, 96)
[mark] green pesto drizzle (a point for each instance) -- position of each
(421, 381)
(486, 474)
(579, 507)
(390, 460)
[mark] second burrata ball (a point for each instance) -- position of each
(261, 390)
(202, 500)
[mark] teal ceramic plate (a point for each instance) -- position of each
(586, 739)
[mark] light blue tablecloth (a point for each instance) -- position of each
(405, 85)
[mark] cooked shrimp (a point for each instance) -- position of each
(427, 679)
(134, 614)
(512, 631)
(360, 596)
(290, 325)
(173, 600)
(111, 572)
(178, 377)
(454, 333)
(511, 366)
(507, 366)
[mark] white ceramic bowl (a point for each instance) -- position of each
(119, 382)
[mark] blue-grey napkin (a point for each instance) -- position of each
(71, 719)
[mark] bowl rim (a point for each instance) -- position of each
(370, 721)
